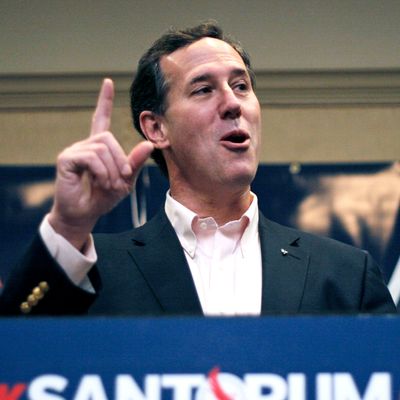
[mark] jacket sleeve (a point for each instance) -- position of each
(375, 297)
(37, 285)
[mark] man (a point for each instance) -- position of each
(209, 251)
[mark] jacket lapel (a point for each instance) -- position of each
(285, 267)
(158, 254)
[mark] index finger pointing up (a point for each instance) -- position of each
(101, 121)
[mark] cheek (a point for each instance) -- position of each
(185, 119)
(256, 118)
(194, 129)
(255, 121)
(254, 109)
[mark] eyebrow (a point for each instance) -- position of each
(205, 77)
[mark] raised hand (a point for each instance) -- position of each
(93, 175)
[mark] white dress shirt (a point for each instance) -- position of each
(225, 261)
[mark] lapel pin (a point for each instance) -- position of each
(284, 252)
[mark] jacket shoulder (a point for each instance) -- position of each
(151, 229)
(307, 239)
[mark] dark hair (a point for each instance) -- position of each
(149, 88)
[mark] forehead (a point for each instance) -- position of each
(204, 54)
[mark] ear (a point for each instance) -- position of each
(153, 129)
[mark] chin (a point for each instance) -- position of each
(242, 178)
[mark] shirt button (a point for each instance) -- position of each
(203, 225)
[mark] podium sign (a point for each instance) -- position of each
(295, 358)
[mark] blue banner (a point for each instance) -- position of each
(322, 358)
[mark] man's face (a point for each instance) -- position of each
(212, 121)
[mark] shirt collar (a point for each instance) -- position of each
(182, 220)
(251, 232)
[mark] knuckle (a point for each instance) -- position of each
(119, 185)
(103, 136)
(63, 157)
(101, 149)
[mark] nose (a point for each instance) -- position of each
(230, 107)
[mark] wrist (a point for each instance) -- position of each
(75, 233)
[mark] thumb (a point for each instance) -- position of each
(139, 154)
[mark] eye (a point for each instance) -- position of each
(202, 90)
(241, 86)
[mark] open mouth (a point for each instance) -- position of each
(236, 138)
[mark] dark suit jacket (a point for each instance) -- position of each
(144, 272)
